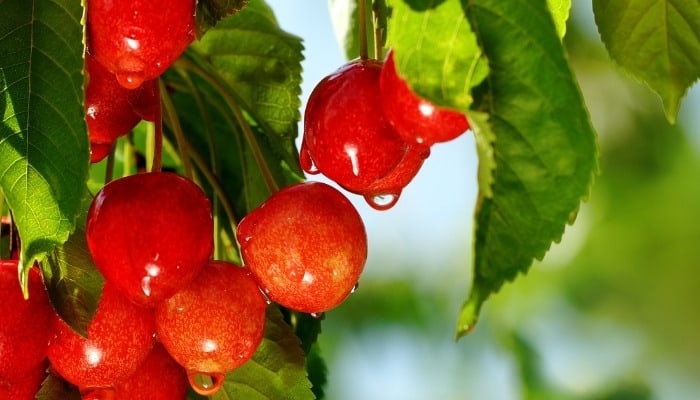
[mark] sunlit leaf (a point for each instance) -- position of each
(436, 50)
(262, 63)
(543, 144)
(560, 14)
(43, 136)
(657, 42)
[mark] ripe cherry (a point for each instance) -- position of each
(346, 136)
(119, 338)
(416, 119)
(159, 377)
(139, 40)
(214, 325)
(108, 112)
(306, 246)
(24, 324)
(150, 234)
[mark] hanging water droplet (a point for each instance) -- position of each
(204, 383)
(354, 288)
(382, 202)
(129, 79)
(307, 163)
(316, 315)
(265, 296)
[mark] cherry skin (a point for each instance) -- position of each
(150, 234)
(138, 40)
(215, 324)
(119, 337)
(306, 246)
(416, 119)
(108, 112)
(159, 377)
(24, 387)
(384, 193)
(24, 324)
(346, 136)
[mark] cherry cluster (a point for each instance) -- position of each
(167, 309)
(129, 45)
(365, 129)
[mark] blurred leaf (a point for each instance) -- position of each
(655, 41)
(210, 12)
(317, 370)
(43, 135)
(262, 63)
(72, 281)
(277, 370)
(544, 148)
(560, 14)
(442, 60)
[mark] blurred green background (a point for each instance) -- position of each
(610, 313)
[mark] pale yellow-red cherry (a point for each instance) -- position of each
(306, 246)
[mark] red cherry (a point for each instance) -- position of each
(119, 338)
(150, 234)
(145, 100)
(215, 324)
(384, 193)
(306, 246)
(24, 387)
(24, 324)
(136, 39)
(108, 112)
(346, 136)
(159, 377)
(416, 119)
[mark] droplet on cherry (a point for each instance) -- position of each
(198, 382)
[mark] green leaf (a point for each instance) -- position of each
(657, 42)
(210, 12)
(560, 14)
(73, 283)
(436, 50)
(43, 135)
(277, 370)
(55, 388)
(263, 65)
(543, 144)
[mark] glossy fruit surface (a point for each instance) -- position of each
(150, 234)
(108, 112)
(159, 377)
(24, 324)
(416, 119)
(384, 193)
(306, 246)
(119, 337)
(346, 137)
(215, 324)
(138, 40)
(145, 100)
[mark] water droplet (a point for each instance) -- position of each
(129, 79)
(354, 288)
(265, 296)
(316, 315)
(382, 202)
(307, 163)
(204, 383)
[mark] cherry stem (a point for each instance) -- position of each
(157, 165)
(170, 115)
(362, 11)
(378, 46)
(226, 92)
